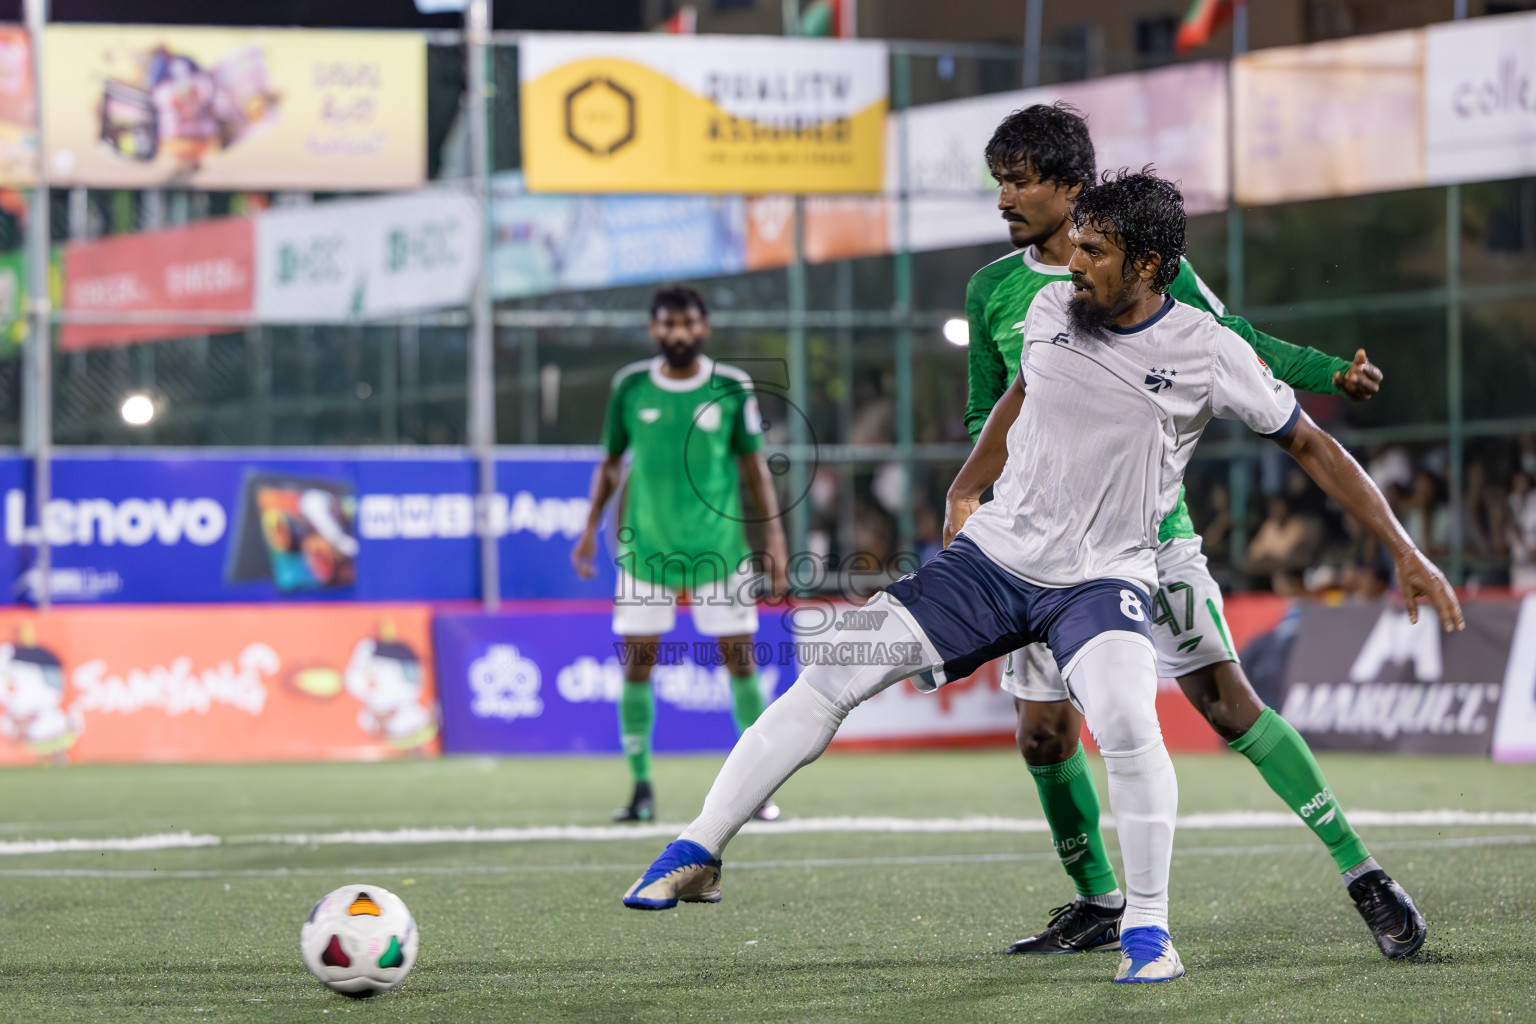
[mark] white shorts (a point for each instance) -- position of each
(726, 607)
(1188, 627)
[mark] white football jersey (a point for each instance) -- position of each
(1109, 423)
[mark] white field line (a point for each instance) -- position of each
(429, 870)
(1222, 821)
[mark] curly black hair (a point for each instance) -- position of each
(1051, 140)
(678, 298)
(1143, 212)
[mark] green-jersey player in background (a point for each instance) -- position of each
(691, 428)
(1042, 157)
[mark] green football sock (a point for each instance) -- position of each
(637, 714)
(1283, 758)
(1072, 810)
(746, 701)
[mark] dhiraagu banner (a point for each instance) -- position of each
(654, 113)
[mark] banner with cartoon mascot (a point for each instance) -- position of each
(235, 683)
(657, 113)
(129, 106)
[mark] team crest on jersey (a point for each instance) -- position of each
(649, 415)
(1160, 380)
(707, 416)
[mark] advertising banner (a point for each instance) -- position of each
(661, 113)
(836, 228)
(1514, 734)
(1330, 119)
(169, 106)
(226, 684)
(1480, 99)
(546, 680)
(139, 527)
(1361, 677)
(1173, 118)
(200, 267)
(366, 258)
(550, 243)
(18, 110)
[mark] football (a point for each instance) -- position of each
(359, 940)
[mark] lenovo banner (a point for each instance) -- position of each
(145, 527)
(216, 684)
(1364, 678)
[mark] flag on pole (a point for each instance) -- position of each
(836, 18)
(683, 22)
(1200, 22)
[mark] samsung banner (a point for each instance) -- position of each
(241, 528)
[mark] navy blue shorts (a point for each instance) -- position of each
(973, 610)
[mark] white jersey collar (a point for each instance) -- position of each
(681, 384)
(1042, 268)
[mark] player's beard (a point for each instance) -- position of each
(1087, 317)
(682, 357)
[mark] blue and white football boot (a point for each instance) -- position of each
(1147, 954)
(685, 871)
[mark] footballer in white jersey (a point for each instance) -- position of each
(1069, 566)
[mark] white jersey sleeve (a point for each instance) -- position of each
(1243, 387)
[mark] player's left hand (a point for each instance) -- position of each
(1418, 578)
(1361, 381)
(956, 512)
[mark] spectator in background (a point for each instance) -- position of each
(1217, 535)
(1426, 517)
(1284, 545)
(1521, 532)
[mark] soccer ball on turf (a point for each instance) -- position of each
(359, 940)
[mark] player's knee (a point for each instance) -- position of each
(1046, 734)
(1224, 698)
(1117, 682)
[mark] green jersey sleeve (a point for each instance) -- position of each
(987, 377)
(1300, 367)
(747, 431)
(615, 430)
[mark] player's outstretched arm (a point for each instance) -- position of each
(754, 469)
(606, 479)
(1341, 477)
(985, 463)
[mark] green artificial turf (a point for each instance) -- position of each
(814, 927)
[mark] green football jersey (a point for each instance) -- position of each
(682, 519)
(997, 300)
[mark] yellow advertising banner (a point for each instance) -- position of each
(18, 110)
(657, 113)
(148, 107)
(1330, 119)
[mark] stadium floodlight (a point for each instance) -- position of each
(957, 331)
(138, 410)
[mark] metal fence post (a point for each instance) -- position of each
(38, 384)
(901, 98)
(482, 330)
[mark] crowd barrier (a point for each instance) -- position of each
(360, 681)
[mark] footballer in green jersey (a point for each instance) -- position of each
(1042, 157)
(691, 429)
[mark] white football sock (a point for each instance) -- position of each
(794, 730)
(1116, 683)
